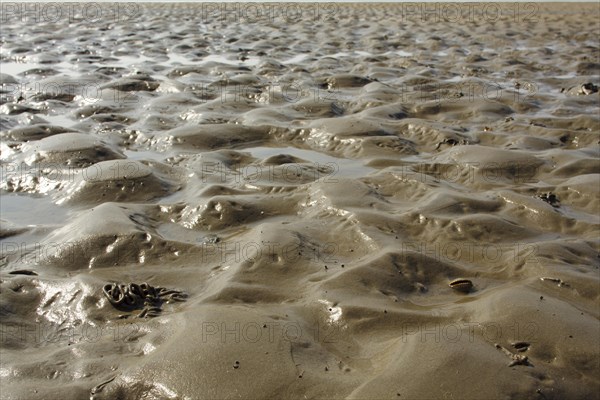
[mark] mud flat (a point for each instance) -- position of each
(329, 202)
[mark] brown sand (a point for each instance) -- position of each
(313, 179)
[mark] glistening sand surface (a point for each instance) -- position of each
(312, 181)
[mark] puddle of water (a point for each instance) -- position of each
(132, 61)
(455, 79)
(27, 210)
(403, 53)
(570, 75)
(15, 68)
(176, 232)
(337, 55)
(59, 120)
(177, 58)
(296, 59)
(145, 155)
(251, 61)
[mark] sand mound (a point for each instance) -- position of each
(118, 180)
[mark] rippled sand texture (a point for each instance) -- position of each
(298, 191)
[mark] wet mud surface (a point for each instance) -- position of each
(334, 201)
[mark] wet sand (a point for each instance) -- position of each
(357, 201)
